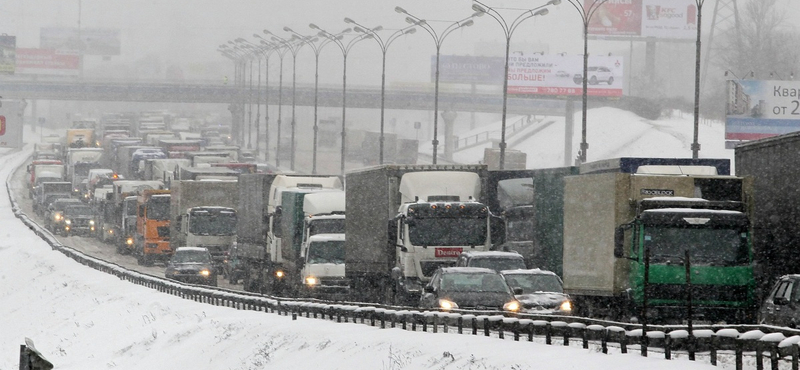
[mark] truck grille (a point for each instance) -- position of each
(724, 293)
(429, 267)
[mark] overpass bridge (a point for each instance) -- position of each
(412, 98)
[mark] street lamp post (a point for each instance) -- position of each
(268, 48)
(317, 48)
(437, 39)
(345, 48)
(281, 53)
(294, 48)
(586, 16)
(695, 143)
(238, 55)
(508, 30)
(384, 45)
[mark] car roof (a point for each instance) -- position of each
(468, 270)
(492, 254)
(527, 272)
(191, 249)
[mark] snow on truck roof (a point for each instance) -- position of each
(326, 237)
(693, 210)
(426, 185)
(324, 202)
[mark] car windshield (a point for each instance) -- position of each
(326, 252)
(193, 256)
(532, 283)
(467, 282)
(498, 263)
(78, 211)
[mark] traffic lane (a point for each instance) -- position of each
(89, 245)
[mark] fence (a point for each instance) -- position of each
(479, 138)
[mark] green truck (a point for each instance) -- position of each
(628, 215)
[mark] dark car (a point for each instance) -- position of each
(192, 265)
(539, 291)
(495, 260)
(79, 219)
(782, 306)
(469, 288)
(54, 216)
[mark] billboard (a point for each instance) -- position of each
(468, 69)
(91, 41)
(8, 46)
(11, 123)
(673, 19)
(47, 62)
(758, 108)
(562, 75)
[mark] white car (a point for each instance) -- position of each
(596, 75)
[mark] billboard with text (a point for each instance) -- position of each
(47, 62)
(468, 69)
(562, 75)
(673, 19)
(91, 41)
(758, 108)
(11, 123)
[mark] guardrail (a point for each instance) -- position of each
(764, 342)
(483, 137)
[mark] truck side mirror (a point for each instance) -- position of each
(429, 289)
(497, 227)
(619, 242)
(392, 229)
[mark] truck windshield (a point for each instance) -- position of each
(212, 223)
(713, 246)
(447, 231)
(130, 208)
(158, 208)
(326, 226)
(326, 252)
(519, 230)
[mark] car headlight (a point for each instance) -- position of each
(566, 306)
(311, 281)
(447, 305)
(110, 231)
(58, 217)
(279, 274)
(205, 272)
(512, 306)
(129, 241)
(91, 222)
(68, 222)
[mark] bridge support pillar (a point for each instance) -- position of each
(449, 139)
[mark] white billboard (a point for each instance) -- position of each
(11, 123)
(672, 19)
(562, 75)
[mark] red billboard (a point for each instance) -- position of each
(618, 18)
(47, 62)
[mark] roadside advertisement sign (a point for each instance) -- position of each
(468, 69)
(8, 53)
(11, 123)
(47, 62)
(759, 108)
(91, 41)
(562, 75)
(673, 19)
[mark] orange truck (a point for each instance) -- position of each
(151, 239)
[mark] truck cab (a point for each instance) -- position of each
(323, 271)
(213, 228)
(151, 239)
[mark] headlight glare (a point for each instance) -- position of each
(311, 281)
(512, 306)
(205, 272)
(566, 306)
(447, 305)
(68, 222)
(91, 222)
(279, 274)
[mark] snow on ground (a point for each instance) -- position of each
(80, 318)
(611, 133)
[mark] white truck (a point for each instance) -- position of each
(203, 214)
(433, 214)
(322, 249)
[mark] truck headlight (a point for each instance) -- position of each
(447, 305)
(58, 217)
(68, 222)
(279, 274)
(566, 306)
(91, 222)
(205, 272)
(129, 241)
(311, 281)
(512, 306)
